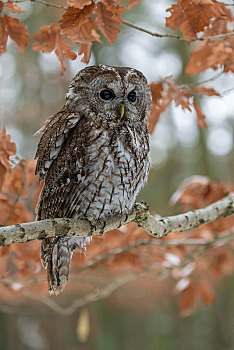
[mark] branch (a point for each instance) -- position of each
(160, 271)
(179, 37)
(220, 240)
(158, 228)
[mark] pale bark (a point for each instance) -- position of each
(21, 233)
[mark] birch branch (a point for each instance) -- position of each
(158, 228)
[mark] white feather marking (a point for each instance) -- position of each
(54, 153)
(59, 141)
(48, 164)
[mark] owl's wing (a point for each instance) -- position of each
(54, 132)
(61, 157)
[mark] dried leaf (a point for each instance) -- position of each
(206, 91)
(49, 39)
(221, 262)
(156, 90)
(20, 178)
(211, 55)
(7, 149)
(12, 7)
(191, 17)
(132, 3)
(11, 27)
(188, 300)
(80, 4)
(199, 191)
(83, 326)
(86, 50)
(78, 25)
(201, 118)
(107, 21)
(207, 293)
(12, 213)
(3, 36)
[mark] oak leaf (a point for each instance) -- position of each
(132, 3)
(207, 293)
(197, 192)
(86, 50)
(11, 27)
(13, 212)
(188, 300)
(12, 7)
(80, 4)
(49, 39)
(211, 55)
(20, 178)
(205, 91)
(156, 90)
(215, 53)
(192, 16)
(108, 18)
(7, 149)
(78, 25)
(201, 118)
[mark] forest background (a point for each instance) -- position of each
(177, 292)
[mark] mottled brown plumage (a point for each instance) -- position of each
(93, 155)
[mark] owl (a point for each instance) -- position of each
(93, 156)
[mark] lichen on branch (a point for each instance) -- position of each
(158, 228)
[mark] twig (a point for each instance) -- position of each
(179, 37)
(220, 239)
(104, 292)
(48, 4)
(61, 227)
(97, 294)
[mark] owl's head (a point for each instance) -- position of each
(117, 93)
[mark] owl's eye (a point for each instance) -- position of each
(107, 94)
(132, 96)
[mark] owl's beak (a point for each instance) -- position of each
(122, 111)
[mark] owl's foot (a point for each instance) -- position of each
(97, 225)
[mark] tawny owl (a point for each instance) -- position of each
(93, 155)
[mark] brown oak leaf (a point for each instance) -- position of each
(205, 91)
(188, 300)
(12, 7)
(192, 16)
(7, 149)
(86, 50)
(80, 4)
(132, 3)
(108, 18)
(211, 55)
(206, 292)
(201, 118)
(11, 27)
(49, 39)
(78, 25)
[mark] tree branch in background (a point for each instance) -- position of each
(158, 228)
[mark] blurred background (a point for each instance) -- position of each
(31, 89)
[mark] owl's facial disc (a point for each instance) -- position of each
(117, 97)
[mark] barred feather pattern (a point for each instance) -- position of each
(93, 162)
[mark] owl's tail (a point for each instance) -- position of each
(56, 254)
